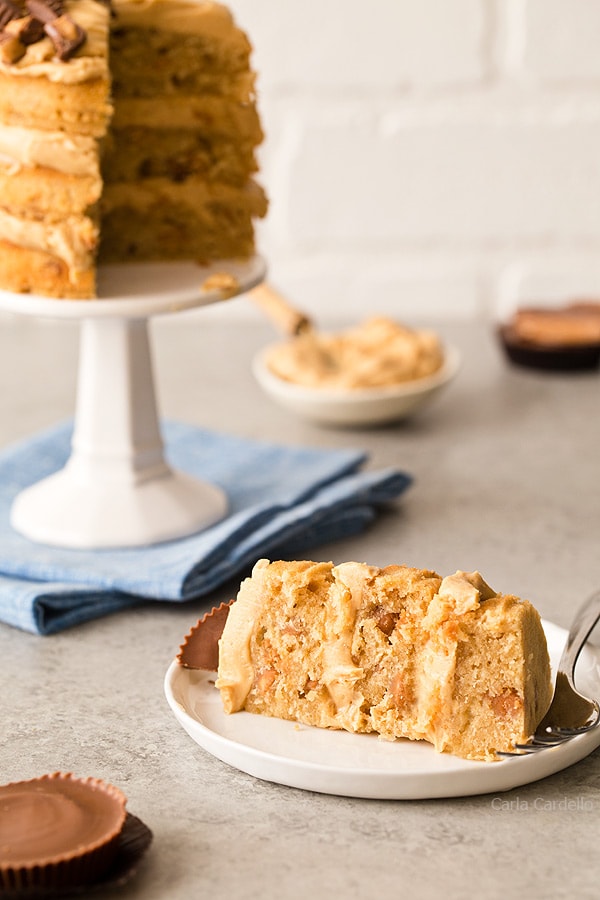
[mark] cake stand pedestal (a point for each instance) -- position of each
(116, 489)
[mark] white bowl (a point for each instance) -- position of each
(364, 406)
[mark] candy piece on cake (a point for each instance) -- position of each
(397, 651)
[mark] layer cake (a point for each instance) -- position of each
(127, 132)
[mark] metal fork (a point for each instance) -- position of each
(570, 713)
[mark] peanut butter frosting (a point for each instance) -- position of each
(68, 153)
(143, 195)
(377, 353)
(179, 16)
(236, 672)
(230, 114)
(340, 673)
(72, 240)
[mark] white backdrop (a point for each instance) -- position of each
(431, 157)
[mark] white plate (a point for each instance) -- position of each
(362, 765)
(140, 290)
(364, 406)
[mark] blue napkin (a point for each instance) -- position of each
(282, 501)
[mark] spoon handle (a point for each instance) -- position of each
(287, 319)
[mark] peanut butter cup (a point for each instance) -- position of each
(58, 831)
(560, 339)
(200, 648)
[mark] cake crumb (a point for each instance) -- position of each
(227, 285)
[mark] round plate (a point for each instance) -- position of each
(361, 406)
(362, 765)
(139, 290)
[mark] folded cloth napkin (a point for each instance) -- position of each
(282, 501)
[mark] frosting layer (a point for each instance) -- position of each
(71, 154)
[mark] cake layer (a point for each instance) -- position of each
(28, 271)
(160, 46)
(132, 154)
(158, 218)
(181, 136)
(397, 651)
(41, 193)
(150, 63)
(30, 102)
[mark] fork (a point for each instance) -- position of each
(570, 713)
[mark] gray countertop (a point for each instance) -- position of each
(507, 480)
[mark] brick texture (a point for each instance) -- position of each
(432, 158)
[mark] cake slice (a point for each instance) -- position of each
(397, 651)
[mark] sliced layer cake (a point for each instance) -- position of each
(125, 134)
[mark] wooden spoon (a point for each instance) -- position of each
(292, 322)
(287, 318)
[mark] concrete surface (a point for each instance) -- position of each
(506, 469)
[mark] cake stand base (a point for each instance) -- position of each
(65, 512)
(116, 489)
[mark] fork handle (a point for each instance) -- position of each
(584, 623)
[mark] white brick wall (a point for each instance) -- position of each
(431, 157)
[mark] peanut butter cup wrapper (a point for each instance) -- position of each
(58, 832)
(200, 648)
(551, 357)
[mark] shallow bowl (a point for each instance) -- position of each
(364, 406)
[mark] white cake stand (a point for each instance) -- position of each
(116, 489)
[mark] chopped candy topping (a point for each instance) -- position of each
(9, 11)
(64, 33)
(18, 28)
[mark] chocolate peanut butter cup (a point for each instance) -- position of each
(560, 339)
(200, 648)
(58, 831)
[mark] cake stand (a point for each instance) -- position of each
(116, 489)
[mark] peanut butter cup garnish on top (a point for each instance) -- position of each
(17, 31)
(21, 26)
(66, 35)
